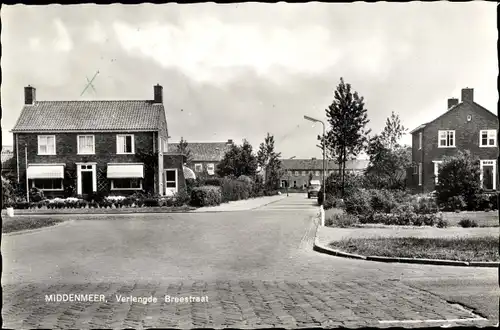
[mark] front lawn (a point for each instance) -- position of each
(461, 249)
(14, 224)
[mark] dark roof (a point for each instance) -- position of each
(317, 164)
(474, 104)
(204, 151)
(89, 116)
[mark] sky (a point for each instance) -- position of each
(242, 70)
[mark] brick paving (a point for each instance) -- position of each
(230, 304)
(257, 269)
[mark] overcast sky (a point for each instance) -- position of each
(242, 70)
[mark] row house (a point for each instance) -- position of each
(465, 125)
(95, 146)
(297, 172)
(205, 156)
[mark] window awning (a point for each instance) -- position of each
(188, 173)
(125, 171)
(45, 171)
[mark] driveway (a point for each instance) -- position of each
(256, 268)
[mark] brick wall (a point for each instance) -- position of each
(66, 150)
(176, 161)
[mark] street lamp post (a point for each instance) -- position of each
(324, 144)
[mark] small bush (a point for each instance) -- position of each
(494, 201)
(382, 201)
(426, 205)
(467, 223)
(181, 198)
(212, 182)
(151, 202)
(341, 220)
(442, 223)
(333, 202)
(36, 195)
(234, 190)
(359, 204)
(206, 196)
(455, 203)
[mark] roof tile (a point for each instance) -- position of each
(204, 151)
(89, 115)
(317, 164)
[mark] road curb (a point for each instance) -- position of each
(31, 231)
(436, 262)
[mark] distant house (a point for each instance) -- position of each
(8, 161)
(297, 170)
(463, 126)
(94, 146)
(205, 155)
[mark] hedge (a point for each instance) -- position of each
(206, 196)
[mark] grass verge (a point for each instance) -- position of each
(10, 225)
(461, 249)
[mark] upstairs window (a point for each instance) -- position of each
(210, 169)
(125, 144)
(446, 139)
(488, 138)
(46, 144)
(198, 168)
(86, 144)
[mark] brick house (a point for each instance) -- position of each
(464, 126)
(205, 155)
(297, 170)
(95, 146)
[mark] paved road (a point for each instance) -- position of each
(256, 269)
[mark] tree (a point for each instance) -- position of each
(270, 162)
(393, 132)
(237, 161)
(347, 135)
(459, 176)
(183, 149)
(388, 159)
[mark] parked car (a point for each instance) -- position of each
(313, 189)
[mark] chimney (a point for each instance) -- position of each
(29, 95)
(452, 102)
(230, 142)
(314, 158)
(468, 94)
(158, 94)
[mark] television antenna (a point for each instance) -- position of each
(90, 83)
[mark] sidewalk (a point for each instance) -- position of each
(243, 205)
(326, 235)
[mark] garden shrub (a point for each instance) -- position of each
(234, 190)
(359, 204)
(333, 202)
(459, 176)
(151, 202)
(211, 182)
(442, 223)
(382, 200)
(36, 195)
(467, 223)
(342, 220)
(181, 198)
(494, 201)
(455, 203)
(7, 193)
(206, 196)
(426, 205)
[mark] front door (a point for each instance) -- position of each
(488, 177)
(87, 182)
(171, 182)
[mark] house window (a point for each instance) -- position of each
(317, 173)
(47, 184)
(304, 173)
(46, 144)
(488, 138)
(170, 179)
(126, 184)
(86, 145)
(446, 139)
(296, 173)
(420, 141)
(125, 144)
(437, 163)
(210, 169)
(198, 167)
(419, 174)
